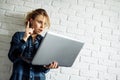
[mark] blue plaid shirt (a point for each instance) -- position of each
(21, 54)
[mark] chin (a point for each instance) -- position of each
(40, 32)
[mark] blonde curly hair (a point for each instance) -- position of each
(33, 14)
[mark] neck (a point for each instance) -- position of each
(34, 37)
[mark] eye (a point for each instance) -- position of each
(45, 24)
(40, 22)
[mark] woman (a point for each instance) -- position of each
(24, 46)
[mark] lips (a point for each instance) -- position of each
(40, 30)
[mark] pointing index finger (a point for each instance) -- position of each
(28, 24)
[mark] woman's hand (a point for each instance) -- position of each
(28, 31)
(52, 65)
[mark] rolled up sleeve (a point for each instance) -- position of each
(17, 47)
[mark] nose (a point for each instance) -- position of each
(42, 25)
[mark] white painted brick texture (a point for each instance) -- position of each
(94, 22)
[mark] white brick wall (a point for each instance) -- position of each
(94, 22)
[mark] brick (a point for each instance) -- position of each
(92, 47)
(55, 70)
(75, 31)
(10, 26)
(114, 8)
(22, 9)
(94, 79)
(114, 71)
(86, 27)
(108, 49)
(15, 2)
(67, 70)
(4, 46)
(59, 16)
(30, 0)
(6, 6)
(110, 25)
(4, 52)
(118, 64)
(84, 14)
(78, 8)
(101, 42)
(67, 11)
(60, 4)
(59, 28)
(2, 1)
(107, 76)
(55, 21)
(81, 66)
(96, 35)
(96, 67)
(106, 62)
(32, 5)
(100, 55)
(6, 61)
(85, 39)
(101, 18)
(51, 9)
(114, 20)
(93, 11)
(101, 1)
(115, 57)
(110, 37)
(4, 76)
(1, 60)
(92, 22)
(91, 60)
(4, 68)
(86, 52)
(104, 7)
(5, 38)
(4, 32)
(87, 73)
(75, 19)
(113, 3)
(115, 44)
(118, 77)
(42, 2)
(110, 13)
(72, 2)
(69, 24)
(58, 76)
(74, 77)
(2, 12)
(69, 35)
(15, 14)
(85, 3)
(7, 19)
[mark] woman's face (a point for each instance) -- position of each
(39, 24)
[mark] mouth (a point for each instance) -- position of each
(40, 30)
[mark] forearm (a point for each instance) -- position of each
(16, 50)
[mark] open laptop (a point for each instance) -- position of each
(55, 47)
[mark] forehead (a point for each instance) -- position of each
(41, 18)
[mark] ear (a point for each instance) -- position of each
(31, 20)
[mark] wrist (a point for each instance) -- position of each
(25, 38)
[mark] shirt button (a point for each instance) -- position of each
(30, 76)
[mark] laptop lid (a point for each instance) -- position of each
(55, 47)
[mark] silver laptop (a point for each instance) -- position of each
(58, 48)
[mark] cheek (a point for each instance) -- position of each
(38, 25)
(35, 25)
